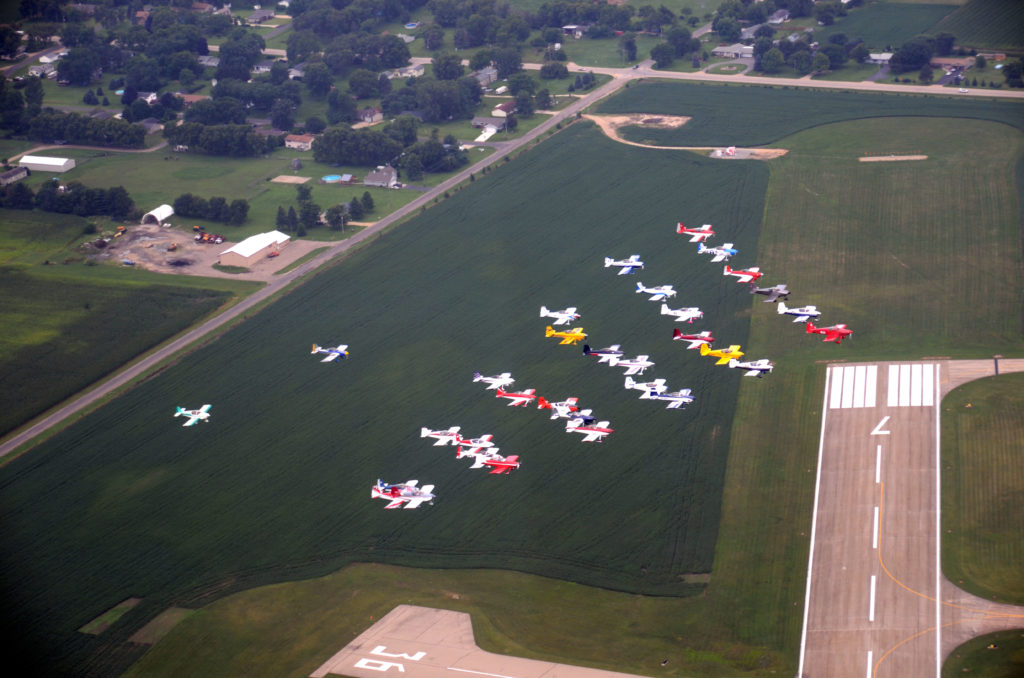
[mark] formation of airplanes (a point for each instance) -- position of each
(194, 416)
(625, 266)
(331, 353)
(563, 317)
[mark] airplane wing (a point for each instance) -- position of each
(395, 504)
(723, 360)
(204, 408)
(478, 461)
(330, 357)
(802, 318)
(192, 419)
(634, 369)
(719, 257)
(591, 437)
(412, 503)
(626, 270)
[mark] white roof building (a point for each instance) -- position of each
(245, 252)
(158, 215)
(46, 164)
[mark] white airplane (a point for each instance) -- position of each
(720, 253)
(695, 339)
(675, 399)
(449, 437)
(696, 234)
(564, 409)
(635, 365)
(202, 414)
(564, 317)
(658, 385)
(591, 432)
(682, 315)
(743, 275)
(475, 445)
(603, 354)
(518, 399)
(658, 293)
(341, 350)
(404, 493)
(500, 381)
(802, 314)
(755, 368)
(626, 265)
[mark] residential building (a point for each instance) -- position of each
(737, 51)
(299, 142)
(370, 115)
(504, 109)
(384, 176)
(258, 16)
(13, 175)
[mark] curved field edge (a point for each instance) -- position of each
(983, 487)
(290, 629)
(293, 445)
(994, 655)
(759, 115)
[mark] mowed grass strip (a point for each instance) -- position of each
(290, 629)
(994, 655)
(293, 445)
(982, 487)
(764, 115)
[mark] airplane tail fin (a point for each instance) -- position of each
(630, 383)
(639, 287)
(178, 411)
(733, 362)
(513, 458)
(543, 404)
(704, 350)
(665, 310)
(424, 432)
(549, 331)
(544, 311)
(607, 262)
(586, 349)
(316, 349)
(500, 392)
(677, 333)
(782, 307)
(727, 270)
(810, 327)
(477, 376)
(701, 248)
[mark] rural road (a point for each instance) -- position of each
(619, 78)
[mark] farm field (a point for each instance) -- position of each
(65, 326)
(887, 24)
(294, 444)
(982, 481)
(779, 112)
(988, 24)
(750, 614)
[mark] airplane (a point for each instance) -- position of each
(341, 350)
(723, 355)
(774, 293)
(657, 293)
(658, 385)
(449, 437)
(627, 265)
(603, 354)
(721, 253)
(573, 336)
(802, 314)
(635, 365)
(749, 275)
(755, 368)
(676, 399)
(202, 414)
(518, 399)
(682, 314)
(499, 381)
(475, 445)
(696, 234)
(565, 316)
(591, 432)
(834, 333)
(403, 493)
(559, 409)
(731, 150)
(497, 463)
(694, 339)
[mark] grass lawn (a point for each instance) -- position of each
(604, 52)
(982, 482)
(851, 72)
(995, 655)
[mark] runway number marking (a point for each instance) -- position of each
(877, 431)
(382, 666)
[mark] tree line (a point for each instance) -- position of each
(70, 198)
(215, 209)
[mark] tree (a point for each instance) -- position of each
(554, 70)
(318, 80)
(836, 56)
(78, 66)
(448, 66)
(980, 62)
(521, 82)
(315, 125)
(820, 63)
(772, 61)
(282, 219)
(524, 104)
(627, 47)
(860, 53)
(293, 219)
(926, 75)
(543, 99)
(1013, 71)
(433, 37)
(301, 45)
(663, 54)
(367, 202)
(507, 61)
(912, 55)
(728, 29)
(480, 59)
(238, 210)
(355, 209)
(944, 43)
(362, 84)
(335, 216)
(282, 114)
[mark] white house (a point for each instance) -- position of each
(46, 164)
(384, 176)
(737, 51)
(253, 248)
(300, 142)
(158, 216)
(880, 58)
(504, 109)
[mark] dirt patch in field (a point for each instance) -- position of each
(287, 179)
(159, 626)
(610, 125)
(891, 158)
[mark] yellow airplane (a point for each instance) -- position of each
(723, 355)
(572, 336)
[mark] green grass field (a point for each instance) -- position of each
(985, 24)
(982, 483)
(887, 24)
(995, 655)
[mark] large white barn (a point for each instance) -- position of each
(250, 250)
(46, 164)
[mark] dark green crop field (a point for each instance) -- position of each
(986, 24)
(276, 486)
(886, 24)
(757, 116)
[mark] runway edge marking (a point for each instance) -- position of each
(814, 523)
(938, 524)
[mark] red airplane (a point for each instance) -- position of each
(697, 234)
(749, 275)
(695, 339)
(834, 333)
(518, 399)
(498, 464)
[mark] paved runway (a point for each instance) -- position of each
(877, 604)
(423, 641)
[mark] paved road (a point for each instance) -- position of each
(431, 643)
(877, 604)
